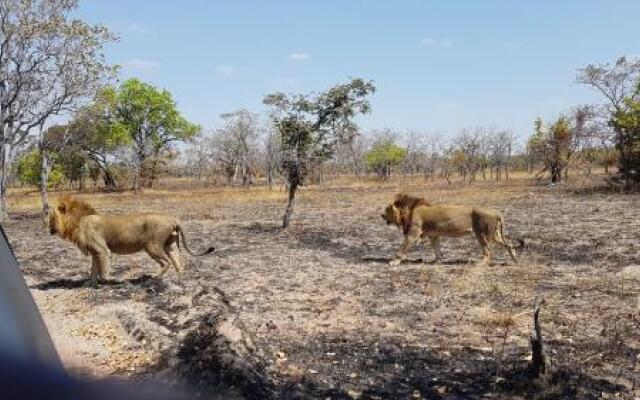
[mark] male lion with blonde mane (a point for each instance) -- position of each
(418, 219)
(100, 235)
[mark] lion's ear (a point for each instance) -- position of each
(399, 198)
(63, 204)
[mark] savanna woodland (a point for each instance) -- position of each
(284, 168)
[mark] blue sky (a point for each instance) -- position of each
(439, 65)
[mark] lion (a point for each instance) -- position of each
(418, 219)
(100, 235)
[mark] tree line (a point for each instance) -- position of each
(124, 136)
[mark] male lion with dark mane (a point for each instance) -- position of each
(100, 235)
(418, 220)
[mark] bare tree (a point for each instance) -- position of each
(244, 130)
(199, 153)
(469, 145)
(236, 145)
(48, 63)
(349, 156)
(615, 82)
(500, 145)
(433, 153)
(414, 144)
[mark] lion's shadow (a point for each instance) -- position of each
(428, 261)
(66, 283)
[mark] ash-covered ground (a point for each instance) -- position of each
(330, 318)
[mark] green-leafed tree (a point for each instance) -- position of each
(384, 155)
(535, 145)
(310, 127)
(151, 119)
(627, 123)
(98, 134)
(558, 145)
(28, 170)
(619, 84)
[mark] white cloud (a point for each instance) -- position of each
(224, 71)
(299, 56)
(439, 43)
(141, 65)
(138, 28)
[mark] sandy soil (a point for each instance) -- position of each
(333, 320)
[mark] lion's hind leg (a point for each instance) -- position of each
(158, 254)
(172, 250)
(504, 242)
(487, 248)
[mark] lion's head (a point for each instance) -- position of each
(400, 212)
(66, 215)
(391, 215)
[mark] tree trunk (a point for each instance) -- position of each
(235, 174)
(153, 173)
(109, 180)
(136, 179)
(288, 213)
(44, 179)
(270, 175)
(246, 174)
(4, 180)
(539, 363)
(556, 174)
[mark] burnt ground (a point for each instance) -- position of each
(333, 320)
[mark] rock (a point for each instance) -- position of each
(631, 272)
(354, 394)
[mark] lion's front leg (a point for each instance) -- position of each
(100, 265)
(409, 240)
(94, 278)
(435, 243)
(98, 270)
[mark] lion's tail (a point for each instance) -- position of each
(503, 239)
(186, 246)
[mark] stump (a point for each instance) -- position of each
(539, 363)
